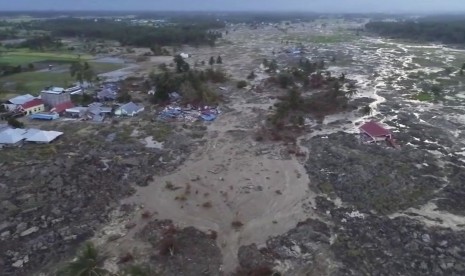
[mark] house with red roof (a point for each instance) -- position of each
(373, 132)
(32, 106)
(61, 108)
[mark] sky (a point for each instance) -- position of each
(349, 6)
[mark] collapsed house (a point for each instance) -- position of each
(130, 109)
(108, 92)
(95, 112)
(189, 114)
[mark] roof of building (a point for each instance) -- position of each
(374, 129)
(11, 135)
(43, 136)
(32, 103)
(62, 107)
(22, 99)
(53, 90)
(131, 108)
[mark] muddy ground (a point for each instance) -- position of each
(344, 209)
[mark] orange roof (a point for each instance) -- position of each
(33, 103)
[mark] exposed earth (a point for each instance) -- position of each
(231, 205)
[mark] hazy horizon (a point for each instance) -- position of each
(326, 6)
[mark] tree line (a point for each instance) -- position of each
(450, 31)
(127, 34)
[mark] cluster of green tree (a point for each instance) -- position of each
(330, 97)
(44, 42)
(6, 69)
(192, 84)
(127, 34)
(8, 33)
(82, 71)
(157, 50)
(219, 60)
(425, 30)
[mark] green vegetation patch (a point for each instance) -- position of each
(424, 97)
(25, 57)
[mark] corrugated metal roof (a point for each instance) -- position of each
(18, 100)
(11, 136)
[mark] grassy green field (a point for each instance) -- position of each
(34, 82)
(25, 57)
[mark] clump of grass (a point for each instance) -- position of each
(424, 97)
(181, 198)
(207, 204)
(237, 224)
(128, 257)
(146, 215)
(169, 186)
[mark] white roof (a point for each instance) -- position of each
(30, 132)
(43, 136)
(19, 100)
(54, 90)
(76, 109)
(11, 136)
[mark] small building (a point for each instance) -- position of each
(75, 90)
(129, 109)
(41, 136)
(45, 116)
(15, 102)
(372, 132)
(32, 107)
(53, 96)
(12, 136)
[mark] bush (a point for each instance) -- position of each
(241, 84)
(251, 76)
(15, 123)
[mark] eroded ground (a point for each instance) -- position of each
(359, 205)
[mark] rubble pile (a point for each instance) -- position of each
(189, 114)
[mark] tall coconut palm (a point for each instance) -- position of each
(87, 263)
(82, 71)
(366, 110)
(351, 92)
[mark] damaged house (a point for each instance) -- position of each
(130, 109)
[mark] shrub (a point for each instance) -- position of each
(237, 224)
(241, 84)
(15, 123)
(167, 246)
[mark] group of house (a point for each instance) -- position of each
(54, 102)
(16, 136)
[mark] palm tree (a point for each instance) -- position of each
(366, 110)
(87, 263)
(82, 71)
(351, 92)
